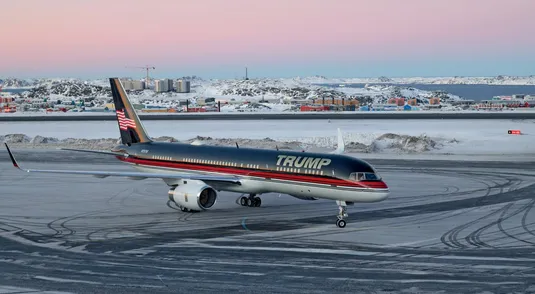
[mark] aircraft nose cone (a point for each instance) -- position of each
(383, 192)
(376, 185)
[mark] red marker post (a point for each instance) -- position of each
(514, 132)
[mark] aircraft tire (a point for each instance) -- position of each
(341, 223)
(257, 202)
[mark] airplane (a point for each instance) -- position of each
(196, 173)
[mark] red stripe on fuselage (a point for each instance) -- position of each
(256, 173)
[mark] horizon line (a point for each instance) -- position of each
(292, 77)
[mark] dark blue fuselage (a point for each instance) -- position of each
(305, 163)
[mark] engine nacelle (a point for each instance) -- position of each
(195, 195)
(304, 197)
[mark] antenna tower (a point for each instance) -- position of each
(147, 68)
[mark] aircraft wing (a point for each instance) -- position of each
(96, 151)
(131, 175)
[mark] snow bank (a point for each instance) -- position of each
(384, 143)
(409, 137)
(265, 143)
(402, 143)
(380, 143)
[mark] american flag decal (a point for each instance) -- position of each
(124, 123)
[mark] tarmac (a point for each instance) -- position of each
(332, 115)
(448, 227)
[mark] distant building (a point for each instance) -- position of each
(170, 86)
(158, 86)
(127, 84)
(138, 85)
(183, 86)
(161, 86)
(133, 85)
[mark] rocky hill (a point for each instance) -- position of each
(456, 80)
(17, 83)
(250, 90)
(67, 88)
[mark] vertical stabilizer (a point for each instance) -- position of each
(341, 145)
(132, 131)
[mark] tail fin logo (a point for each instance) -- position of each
(125, 123)
(130, 127)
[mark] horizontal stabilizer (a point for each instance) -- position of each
(341, 145)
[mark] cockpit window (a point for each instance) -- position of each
(364, 177)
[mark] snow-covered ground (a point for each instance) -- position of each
(9, 83)
(273, 91)
(498, 80)
(371, 137)
(257, 95)
(280, 109)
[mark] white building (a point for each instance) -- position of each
(170, 86)
(138, 85)
(127, 84)
(183, 86)
(161, 86)
(133, 84)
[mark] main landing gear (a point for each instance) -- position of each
(251, 201)
(342, 213)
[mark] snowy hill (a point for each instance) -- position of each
(105, 82)
(66, 88)
(297, 89)
(253, 90)
(263, 85)
(17, 83)
(269, 88)
(458, 80)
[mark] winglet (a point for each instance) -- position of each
(341, 145)
(13, 160)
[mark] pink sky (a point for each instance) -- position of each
(52, 36)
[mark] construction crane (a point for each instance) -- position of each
(147, 68)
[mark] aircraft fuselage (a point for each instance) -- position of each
(300, 174)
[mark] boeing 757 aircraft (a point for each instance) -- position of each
(196, 173)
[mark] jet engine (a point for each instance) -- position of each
(195, 196)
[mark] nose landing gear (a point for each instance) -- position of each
(342, 213)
